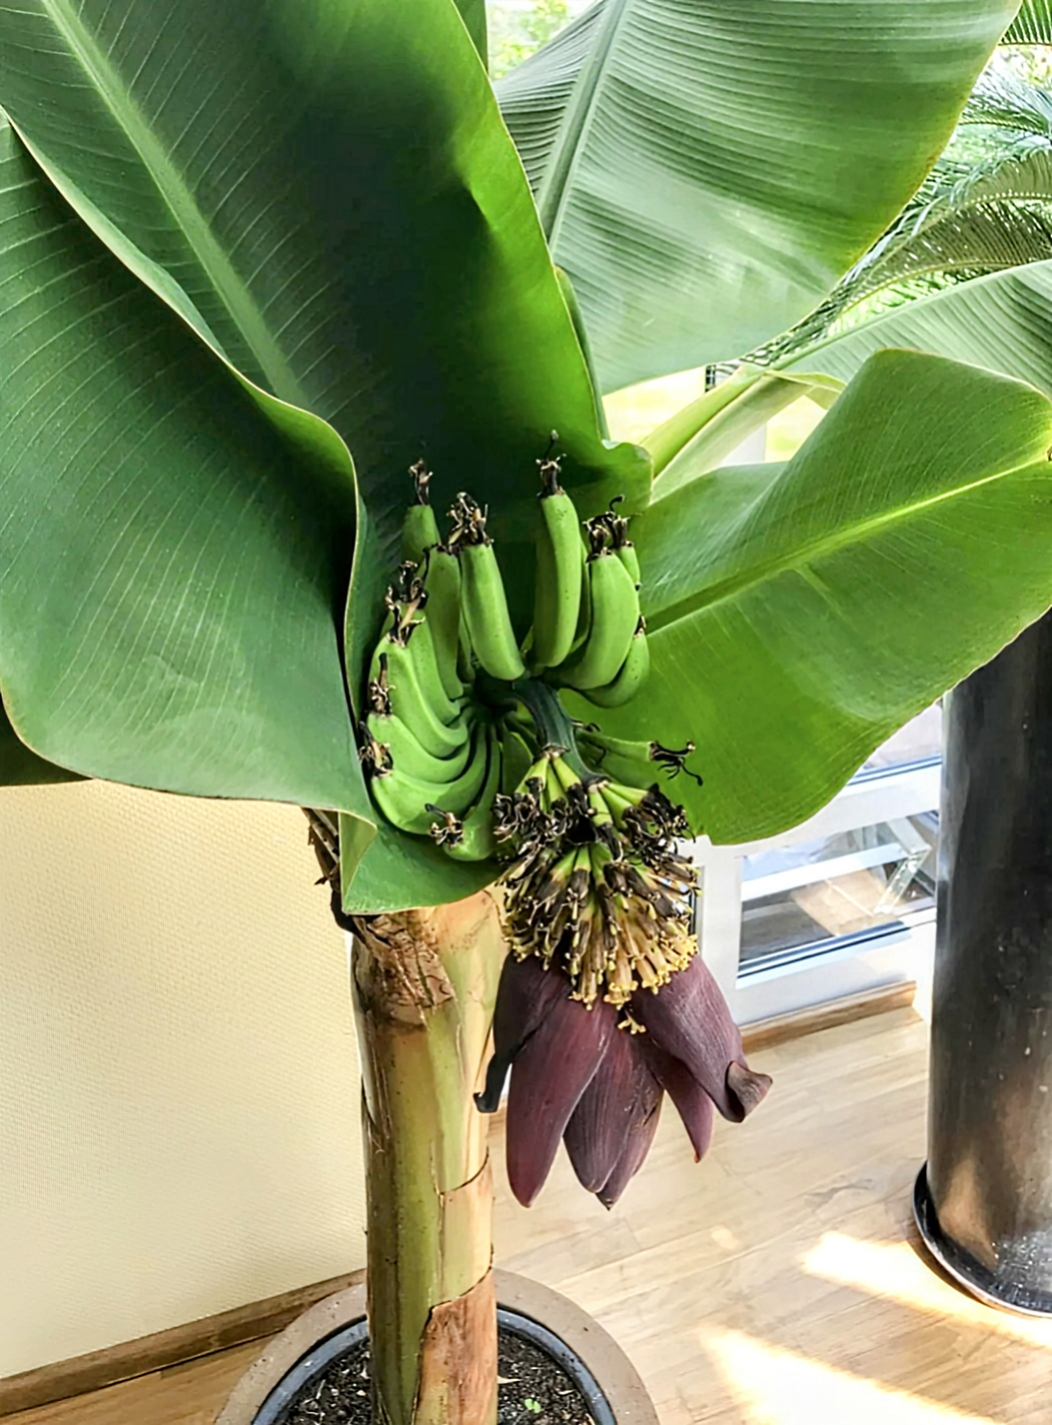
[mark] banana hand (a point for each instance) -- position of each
(404, 800)
(405, 683)
(615, 615)
(476, 841)
(409, 756)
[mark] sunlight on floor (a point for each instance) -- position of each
(922, 996)
(773, 1386)
(895, 1271)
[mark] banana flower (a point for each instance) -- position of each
(595, 1075)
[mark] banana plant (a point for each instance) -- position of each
(307, 496)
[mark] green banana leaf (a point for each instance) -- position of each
(398, 872)
(799, 614)
(329, 200)
(19, 767)
(706, 172)
(1003, 322)
(704, 433)
(473, 13)
(327, 194)
(1032, 25)
(986, 206)
(174, 564)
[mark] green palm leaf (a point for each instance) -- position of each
(1002, 322)
(705, 173)
(1033, 24)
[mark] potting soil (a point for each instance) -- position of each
(533, 1390)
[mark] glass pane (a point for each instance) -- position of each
(918, 741)
(819, 891)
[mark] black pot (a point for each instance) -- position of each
(306, 1371)
(983, 1202)
(603, 1374)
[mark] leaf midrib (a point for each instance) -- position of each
(174, 192)
(800, 559)
(569, 145)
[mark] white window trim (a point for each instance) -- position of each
(899, 955)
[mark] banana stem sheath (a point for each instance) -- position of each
(425, 984)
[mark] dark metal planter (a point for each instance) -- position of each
(984, 1200)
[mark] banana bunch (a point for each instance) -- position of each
(457, 708)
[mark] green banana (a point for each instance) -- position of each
(442, 582)
(476, 841)
(557, 591)
(483, 598)
(637, 764)
(408, 756)
(619, 799)
(631, 677)
(584, 613)
(615, 614)
(420, 530)
(629, 558)
(415, 695)
(465, 663)
(404, 800)
(627, 762)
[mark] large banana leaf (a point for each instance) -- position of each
(706, 172)
(19, 767)
(174, 565)
(327, 197)
(326, 192)
(1003, 322)
(473, 13)
(985, 206)
(799, 614)
(1033, 24)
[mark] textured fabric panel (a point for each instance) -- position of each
(178, 1080)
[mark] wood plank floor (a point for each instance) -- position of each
(776, 1284)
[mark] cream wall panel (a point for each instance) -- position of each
(178, 1079)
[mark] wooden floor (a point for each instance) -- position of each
(776, 1284)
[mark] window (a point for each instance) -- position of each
(841, 904)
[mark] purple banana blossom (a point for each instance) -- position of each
(595, 1076)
